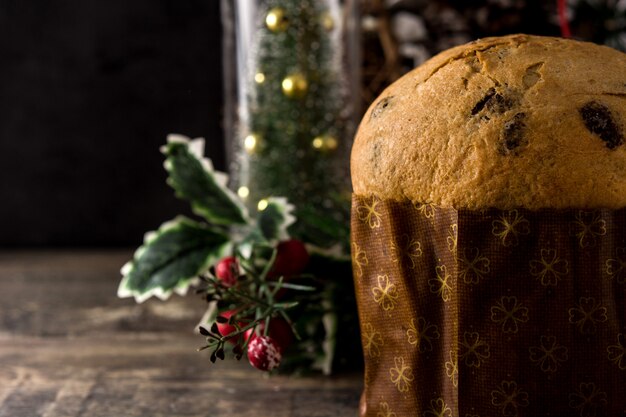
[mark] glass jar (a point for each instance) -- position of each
(292, 93)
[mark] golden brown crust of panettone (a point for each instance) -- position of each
(516, 121)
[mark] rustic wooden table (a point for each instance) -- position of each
(69, 348)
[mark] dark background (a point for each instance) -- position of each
(89, 89)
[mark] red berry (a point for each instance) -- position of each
(227, 271)
(263, 353)
(291, 258)
(280, 332)
(224, 328)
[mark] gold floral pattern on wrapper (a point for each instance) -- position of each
(401, 374)
(421, 334)
(616, 267)
(406, 251)
(452, 238)
(508, 398)
(385, 293)
(588, 226)
(617, 352)
(442, 283)
(509, 227)
(438, 408)
(588, 400)
(549, 269)
(426, 209)
(510, 313)
(474, 351)
(472, 266)
(359, 259)
(549, 354)
(372, 341)
(586, 315)
(452, 368)
(492, 312)
(384, 410)
(368, 213)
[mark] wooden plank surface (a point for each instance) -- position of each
(69, 347)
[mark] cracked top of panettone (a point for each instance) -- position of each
(516, 121)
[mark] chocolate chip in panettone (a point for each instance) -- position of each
(500, 103)
(381, 106)
(495, 102)
(375, 154)
(599, 121)
(483, 101)
(512, 137)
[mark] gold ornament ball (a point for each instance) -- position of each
(295, 86)
(252, 143)
(243, 192)
(276, 20)
(318, 143)
(262, 204)
(328, 22)
(259, 78)
(325, 143)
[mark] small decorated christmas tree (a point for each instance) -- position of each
(296, 128)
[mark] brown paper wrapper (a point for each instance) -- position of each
(490, 313)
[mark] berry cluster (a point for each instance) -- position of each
(252, 297)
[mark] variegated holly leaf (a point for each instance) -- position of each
(274, 219)
(193, 178)
(171, 258)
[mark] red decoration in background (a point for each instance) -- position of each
(224, 328)
(563, 22)
(227, 271)
(291, 258)
(280, 332)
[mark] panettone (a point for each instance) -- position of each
(489, 234)
(517, 121)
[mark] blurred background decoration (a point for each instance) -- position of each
(399, 35)
(291, 71)
(90, 89)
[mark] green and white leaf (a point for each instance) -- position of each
(246, 245)
(171, 259)
(274, 220)
(193, 178)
